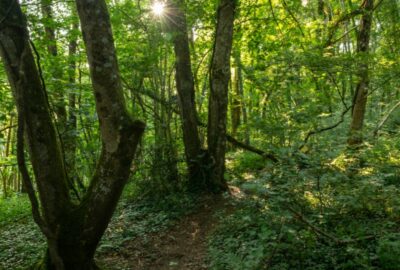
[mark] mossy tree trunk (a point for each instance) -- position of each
(73, 231)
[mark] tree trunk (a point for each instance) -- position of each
(235, 102)
(32, 104)
(56, 72)
(186, 92)
(219, 84)
(71, 132)
(361, 95)
(72, 231)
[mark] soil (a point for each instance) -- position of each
(183, 246)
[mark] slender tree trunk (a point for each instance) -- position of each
(361, 95)
(56, 70)
(72, 231)
(235, 102)
(219, 84)
(186, 92)
(71, 125)
(7, 154)
(32, 104)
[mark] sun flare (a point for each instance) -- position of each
(158, 8)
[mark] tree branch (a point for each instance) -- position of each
(311, 133)
(320, 232)
(229, 138)
(385, 118)
(334, 27)
(345, 17)
(9, 127)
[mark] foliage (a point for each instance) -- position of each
(295, 66)
(22, 244)
(14, 209)
(331, 215)
(147, 215)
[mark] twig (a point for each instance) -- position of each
(325, 128)
(9, 127)
(250, 148)
(333, 28)
(345, 17)
(385, 118)
(275, 249)
(229, 138)
(293, 17)
(320, 232)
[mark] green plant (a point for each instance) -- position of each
(388, 251)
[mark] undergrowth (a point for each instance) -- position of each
(313, 212)
(22, 244)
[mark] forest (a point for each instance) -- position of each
(200, 134)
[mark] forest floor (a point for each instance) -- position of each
(277, 217)
(181, 246)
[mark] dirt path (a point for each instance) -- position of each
(182, 247)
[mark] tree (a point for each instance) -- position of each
(56, 70)
(361, 94)
(219, 84)
(185, 87)
(73, 230)
(206, 167)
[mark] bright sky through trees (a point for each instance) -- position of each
(158, 8)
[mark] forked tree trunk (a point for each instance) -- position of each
(72, 231)
(206, 167)
(219, 84)
(361, 95)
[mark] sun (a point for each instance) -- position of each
(158, 8)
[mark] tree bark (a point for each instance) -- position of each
(186, 93)
(219, 84)
(56, 70)
(361, 94)
(70, 138)
(236, 102)
(72, 231)
(32, 103)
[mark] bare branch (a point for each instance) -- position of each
(9, 127)
(385, 118)
(325, 128)
(320, 232)
(175, 109)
